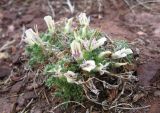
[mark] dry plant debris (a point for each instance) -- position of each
(82, 63)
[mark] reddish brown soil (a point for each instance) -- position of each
(142, 29)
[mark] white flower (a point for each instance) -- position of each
(76, 50)
(71, 76)
(68, 25)
(31, 37)
(121, 53)
(50, 23)
(86, 44)
(105, 54)
(83, 20)
(99, 43)
(88, 65)
(94, 44)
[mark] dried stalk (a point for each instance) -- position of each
(67, 103)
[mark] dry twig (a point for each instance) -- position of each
(67, 103)
(7, 45)
(23, 111)
(71, 7)
(51, 8)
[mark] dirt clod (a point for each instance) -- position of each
(17, 87)
(4, 72)
(157, 93)
(30, 95)
(21, 101)
(25, 97)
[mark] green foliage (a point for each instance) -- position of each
(47, 37)
(129, 59)
(36, 55)
(50, 68)
(65, 90)
(93, 55)
(120, 44)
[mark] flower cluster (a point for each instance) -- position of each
(75, 53)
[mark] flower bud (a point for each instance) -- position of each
(76, 50)
(83, 20)
(31, 37)
(50, 23)
(105, 54)
(68, 25)
(97, 43)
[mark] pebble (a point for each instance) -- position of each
(157, 93)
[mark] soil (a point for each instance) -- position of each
(22, 91)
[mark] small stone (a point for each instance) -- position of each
(138, 97)
(30, 95)
(157, 93)
(18, 109)
(156, 32)
(32, 86)
(141, 33)
(11, 28)
(4, 55)
(22, 100)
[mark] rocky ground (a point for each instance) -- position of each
(25, 92)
